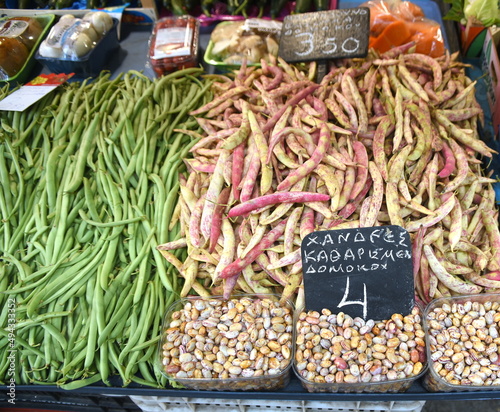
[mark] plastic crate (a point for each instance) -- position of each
(157, 403)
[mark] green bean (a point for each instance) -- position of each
(104, 369)
(160, 262)
(98, 306)
(120, 332)
(23, 270)
(67, 126)
(61, 223)
(7, 128)
(114, 299)
(15, 163)
(137, 331)
(78, 203)
(5, 182)
(142, 152)
(112, 88)
(144, 382)
(81, 383)
(168, 166)
(166, 216)
(45, 272)
(160, 84)
(141, 279)
(113, 358)
(88, 205)
(110, 166)
(21, 342)
(83, 152)
(40, 319)
(142, 188)
(6, 362)
(56, 335)
(150, 352)
(80, 328)
(145, 372)
(75, 361)
(93, 331)
(145, 322)
(151, 153)
(80, 272)
(89, 188)
(145, 96)
(123, 222)
(81, 345)
(5, 227)
(126, 298)
(147, 345)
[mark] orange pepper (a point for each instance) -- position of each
(379, 23)
(393, 35)
(427, 37)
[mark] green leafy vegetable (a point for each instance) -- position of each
(485, 12)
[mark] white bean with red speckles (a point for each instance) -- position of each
(335, 348)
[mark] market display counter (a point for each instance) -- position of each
(293, 391)
(292, 398)
(132, 55)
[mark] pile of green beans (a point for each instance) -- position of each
(89, 180)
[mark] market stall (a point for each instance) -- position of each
(125, 190)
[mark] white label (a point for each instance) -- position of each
(173, 42)
(57, 33)
(24, 97)
(13, 28)
(268, 26)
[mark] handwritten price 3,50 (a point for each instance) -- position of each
(330, 45)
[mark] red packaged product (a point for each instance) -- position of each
(174, 44)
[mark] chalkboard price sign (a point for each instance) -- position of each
(324, 35)
(365, 272)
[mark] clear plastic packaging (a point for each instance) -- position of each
(351, 363)
(173, 44)
(480, 354)
(90, 64)
(223, 344)
(252, 40)
(18, 36)
(396, 22)
(74, 38)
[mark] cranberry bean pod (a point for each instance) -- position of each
(450, 281)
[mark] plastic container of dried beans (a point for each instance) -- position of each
(173, 44)
(470, 322)
(228, 345)
(392, 385)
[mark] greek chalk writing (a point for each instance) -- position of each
(366, 270)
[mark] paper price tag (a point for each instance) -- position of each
(33, 91)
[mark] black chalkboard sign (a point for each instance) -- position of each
(324, 35)
(365, 272)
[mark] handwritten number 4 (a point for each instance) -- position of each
(345, 302)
